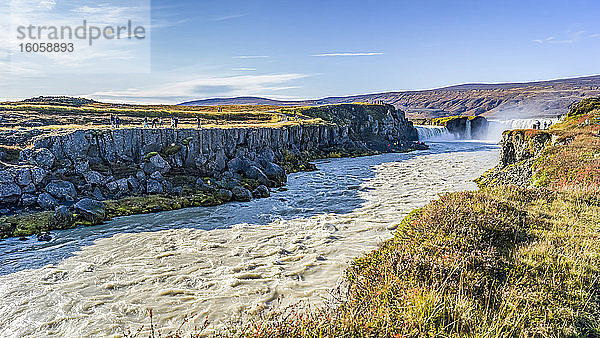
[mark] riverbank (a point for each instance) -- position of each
(223, 261)
(87, 176)
(508, 259)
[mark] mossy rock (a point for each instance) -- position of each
(171, 149)
(149, 155)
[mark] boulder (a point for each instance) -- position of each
(224, 195)
(154, 187)
(44, 158)
(241, 194)
(134, 184)
(9, 193)
(261, 192)
(45, 237)
(26, 155)
(62, 190)
(227, 175)
(156, 163)
(178, 190)
(81, 166)
(62, 216)
(23, 177)
(91, 210)
(275, 173)
(46, 201)
(29, 200)
(255, 173)
(30, 188)
(203, 186)
(265, 156)
(123, 185)
(97, 194)
(157, 176)
(93, 177)
(228, 183)
(112, 186)
(237, 164)
(6, 177)
(38, 174)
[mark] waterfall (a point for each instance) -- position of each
(434, 133)
(496, 127)
(468, 130)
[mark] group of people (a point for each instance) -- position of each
(115, 121)
(538, 125)
(155, 123)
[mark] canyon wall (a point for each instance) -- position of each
(114, 163)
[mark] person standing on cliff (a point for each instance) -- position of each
(198, 121)
(176, 122)
(112, 120)
(117, 121)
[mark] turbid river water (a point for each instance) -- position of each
(221, 261)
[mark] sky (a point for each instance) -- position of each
(301, 49)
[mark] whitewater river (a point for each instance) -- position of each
(222, 261)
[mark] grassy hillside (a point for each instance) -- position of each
(501, 261)
(499, 101)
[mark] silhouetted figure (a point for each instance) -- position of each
(146, 122)
(112, 120)
(155, 123)
(117, 121)
(198, 121)
(176, 122)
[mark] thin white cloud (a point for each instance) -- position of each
(243, 69)
(350, 54)
(595, 36)
(251, 57)
(575, 37)
(228, 17)
(205, 87)
(48, 4)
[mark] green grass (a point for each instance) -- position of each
(442, 121)
(499, 262)
(27, 224)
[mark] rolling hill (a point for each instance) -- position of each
(504, 100)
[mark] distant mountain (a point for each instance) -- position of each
(503, 100)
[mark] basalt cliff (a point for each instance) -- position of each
(71, 173)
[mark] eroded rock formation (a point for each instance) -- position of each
(96, 164)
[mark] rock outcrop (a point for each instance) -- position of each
(519, 150)
(80, 166)
(464, 127)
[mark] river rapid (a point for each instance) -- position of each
(222, 261)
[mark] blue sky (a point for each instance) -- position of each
(312, 49)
